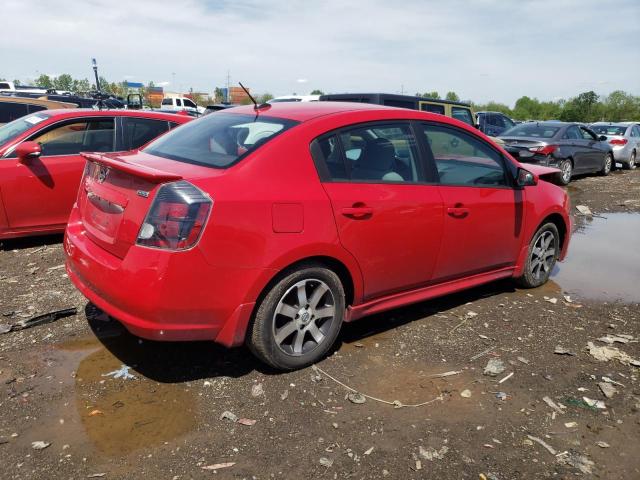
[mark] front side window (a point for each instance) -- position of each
(189, 103)
(587, 134)
(507, 122)
(462, 114)
(572, 133)
(371, 153)
(464, 160)
(218, 140)
(139, 131)
(90, 135)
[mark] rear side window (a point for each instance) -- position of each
(428, 107)
(139, 131)
(12, 111)
(572, 133)
(376, 154)
(91, 135)
(218, 140)
(464, 160)
(462, 114)
(178, 102)
(167, 101)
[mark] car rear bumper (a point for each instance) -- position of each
(162, 295)
(621, 154)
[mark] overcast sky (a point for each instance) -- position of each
(481, 49)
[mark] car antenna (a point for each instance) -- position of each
(256, 107)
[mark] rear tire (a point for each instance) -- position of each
(566, 171)
(607, 165)
(631, 164)
(299, 319)
(542, 255)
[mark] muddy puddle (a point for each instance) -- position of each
(604, 259)
(119, 415)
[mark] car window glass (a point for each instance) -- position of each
(572, 133)
(94, 135)
(178, 102)
(189, 103)
(608, 129)
(493, 120)
(531, 129)
(330, 156)
(384, 153)
(464, 160)
(462, 114)
(428, 107)
(586, 134)
(635, 132)
(139, 131)
(508, 123)
(166, 101)
(12, 111)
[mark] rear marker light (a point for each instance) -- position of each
(544, 149)
(176, 218)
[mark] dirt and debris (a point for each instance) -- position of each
(168, 422)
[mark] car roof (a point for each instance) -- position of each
(51, 104)
(303, 111)
(90, 112)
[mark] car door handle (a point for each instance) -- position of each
(458, 212)
(357, 212)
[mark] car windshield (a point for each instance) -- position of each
(218, 140)
(531, 130)
(11, 130)
(608, 129)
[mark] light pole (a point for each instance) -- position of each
(95, 72)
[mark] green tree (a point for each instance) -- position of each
(44, 81)
(317, 92)
(431, 94)
(452, 97)
(63, 82)
(17, 82)
(265, 97)
(218, 95)
(619, 105)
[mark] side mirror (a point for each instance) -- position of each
(28, 150)
(525, 178)
(602, 138)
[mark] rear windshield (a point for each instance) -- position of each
(11, 130)
(531, 130)
(608, 129)
(218, 140)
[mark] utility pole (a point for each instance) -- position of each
(228, 86)
(401, 89)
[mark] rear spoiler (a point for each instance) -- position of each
(150, 174)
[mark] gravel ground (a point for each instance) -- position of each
(61, 385)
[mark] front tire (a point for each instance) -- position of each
(566, 171)
(607, 165)
(542, 255)
(299, 319)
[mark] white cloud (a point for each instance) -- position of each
(482, 49)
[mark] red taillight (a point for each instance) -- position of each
(176, 218)
(618, 141)
(544, 149)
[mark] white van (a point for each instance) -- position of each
(181, 103)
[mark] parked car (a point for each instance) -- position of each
(571, 147)
(41, 166)
(458, 110)
(181, 103)
(273, 226)
(493, 123)
(624, 138)
(12, 108)
(295, 98)
(11, 87)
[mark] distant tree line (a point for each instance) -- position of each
(586, 107)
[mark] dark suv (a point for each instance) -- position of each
(493, 123)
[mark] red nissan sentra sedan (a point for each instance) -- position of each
(272, 226)
(41, 166)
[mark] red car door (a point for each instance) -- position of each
(483, 214)
(387, 217)
(40, 192)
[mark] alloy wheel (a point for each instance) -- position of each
(607, 164)
(632, 161)
(543, 255)
(303, 317)
(566, 171)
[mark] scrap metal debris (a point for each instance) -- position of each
(576, 460)
(494, 367)
(607, 389)
(432, 454)
(446, 374)
(122, 372)
(560, 350)
(218, 466)
(604, 354)
(539, 441)
(38, 320)
(40, 445)
(584, 210)
(553, 405)
(620, 338)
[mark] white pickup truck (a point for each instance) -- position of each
(181, 103)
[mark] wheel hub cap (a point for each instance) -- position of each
(543, 255)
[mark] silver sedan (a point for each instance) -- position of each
(624, 138)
